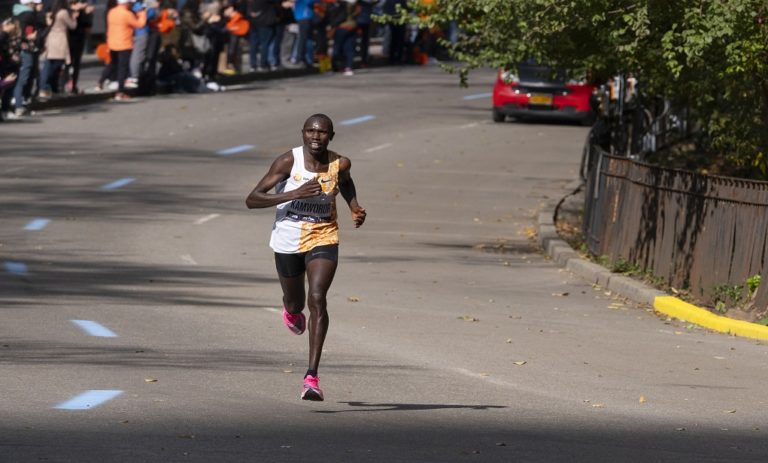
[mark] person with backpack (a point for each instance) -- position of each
(29, 14)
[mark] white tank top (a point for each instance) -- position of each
(303, 224)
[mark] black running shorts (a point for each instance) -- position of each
(293, 265)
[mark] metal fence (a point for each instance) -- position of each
(696, 232)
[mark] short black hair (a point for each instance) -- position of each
(323, 117)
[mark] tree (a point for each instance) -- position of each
(710, 56)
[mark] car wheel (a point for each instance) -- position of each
(498, 116)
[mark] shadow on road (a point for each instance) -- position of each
(373, 407)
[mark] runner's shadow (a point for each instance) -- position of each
(369, 407)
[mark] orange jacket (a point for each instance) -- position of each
(120, 25)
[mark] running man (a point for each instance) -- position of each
(305, 235)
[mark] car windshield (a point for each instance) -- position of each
(539, 74)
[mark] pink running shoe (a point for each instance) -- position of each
(297, 323)
(311, 390)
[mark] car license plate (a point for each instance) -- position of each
(540, 99)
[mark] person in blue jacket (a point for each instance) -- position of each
(304, 13)
(140, 42)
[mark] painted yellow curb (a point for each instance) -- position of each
(676, 308)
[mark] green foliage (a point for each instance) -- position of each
(753, 283)
(708, 55)
(726, 296)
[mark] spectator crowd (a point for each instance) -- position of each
(187, 45)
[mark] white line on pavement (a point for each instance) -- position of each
(378, 147)
(478, 96)
(207, 218)
(188, 259)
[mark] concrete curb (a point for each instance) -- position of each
(239, 79)
(562, 253)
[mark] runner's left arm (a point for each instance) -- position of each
(349, 193)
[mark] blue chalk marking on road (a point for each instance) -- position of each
(235, 150)
(358, 120)
(37, 224)
(88, 399)
(16, 268)
(478, 96)
(94, 329)
(118, 183)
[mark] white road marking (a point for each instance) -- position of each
(207, 218)
(378, 147)
(478, 96)
(188, 259)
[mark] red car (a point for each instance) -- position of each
(536, 93)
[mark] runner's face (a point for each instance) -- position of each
(316, 135)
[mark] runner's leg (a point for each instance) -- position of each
(320, 273)
(293, 293)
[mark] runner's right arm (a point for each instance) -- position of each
(279, 171)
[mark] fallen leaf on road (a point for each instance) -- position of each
(729, 411)
(468, 318)
(598, 405)
(560, 294)
(679, 429)
(509, 341)
(353, 299)
(642, 399)
(520, 363)
(500, 444)
(150, 380)
(485, 374)
(719, 358)
(287, 371)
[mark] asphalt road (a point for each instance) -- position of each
(452, 338)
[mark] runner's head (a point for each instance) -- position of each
(317, 133)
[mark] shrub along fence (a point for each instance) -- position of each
(707, 235)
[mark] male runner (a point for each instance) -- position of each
(305, 235)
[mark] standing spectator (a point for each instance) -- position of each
(396, 31)
(192, 24)
(56, 52)
(10, 48)
(344, 37)
(31, 20)
(77, 38)
(120, 25)
(109, 73)
(303, 11)
(364, 29)
(238, 26)
(217, 35)
(263, 17)
(140, 43)
(284, 17)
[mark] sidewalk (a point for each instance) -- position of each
(92, 67)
